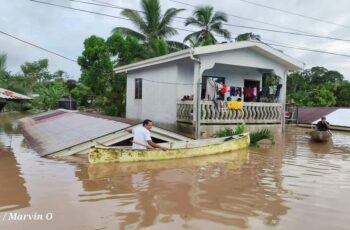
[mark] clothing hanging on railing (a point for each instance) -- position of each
(211, 89)
(233, 91)
(238, 105)
(265, 91)
(278, 90)
(220, 106)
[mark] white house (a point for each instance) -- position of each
(177, 90)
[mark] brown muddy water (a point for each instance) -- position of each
(295, 184)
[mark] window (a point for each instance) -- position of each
(138, 88)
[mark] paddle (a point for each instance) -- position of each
(138, 143)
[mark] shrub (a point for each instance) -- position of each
(231, 132)
(259, 135)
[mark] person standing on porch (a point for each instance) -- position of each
(142, 137)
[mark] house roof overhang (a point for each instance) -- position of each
(290, 63)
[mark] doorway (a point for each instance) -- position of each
(251, 90)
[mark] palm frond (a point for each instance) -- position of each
(194, 22)
(219, 16)
(151, 9)
(195, 35)
(136, 19)
(176, 46)
(169, 16)
(129, 32)
(217, 28)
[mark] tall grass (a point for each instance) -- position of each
(259, 135)
(230, 132)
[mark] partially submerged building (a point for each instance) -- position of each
(187, 91)
(65, 132)
(8, 95)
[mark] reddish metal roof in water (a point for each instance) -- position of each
(60, 129)
(307, 115)
(8, 94)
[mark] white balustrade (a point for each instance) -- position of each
(252, 113)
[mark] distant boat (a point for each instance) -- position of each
(320, 136)
(178, 149)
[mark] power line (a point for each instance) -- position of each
(109, 5)
(275, 31)
(247, 19)
(77, 9)
(227, 24)
(291, 33)
(36, 46)
(115, 6)
(274, 43)
(307, 49)
(293, 13)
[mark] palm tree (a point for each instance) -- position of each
(151, 24)
(247, 37)
(209, 22)
(3, 58)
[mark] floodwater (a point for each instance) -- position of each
(295, 184)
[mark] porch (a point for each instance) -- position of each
(251, 113)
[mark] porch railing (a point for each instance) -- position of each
(252, 112)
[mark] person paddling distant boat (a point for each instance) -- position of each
(323, 125)
(142, 137)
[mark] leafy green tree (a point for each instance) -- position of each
(37, 70)
(209, 23)
(342, 93)
(126, 49)
(82, 94)
(49, 95)
(151, 24)
(247, 37)
(96, 64)
(320, 75)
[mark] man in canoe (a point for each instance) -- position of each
(142, 137)
(323, 125)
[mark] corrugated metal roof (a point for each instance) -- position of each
(340, 117)
(60, 129)
(8, 94)
(307, 115)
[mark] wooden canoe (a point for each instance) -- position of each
(179, 149)
(320, 136)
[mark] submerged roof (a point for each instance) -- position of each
(53, 131)
(307, 115)
(8, 94)
(64, 132)
(339, 117)
(260, 47)
(334, 115)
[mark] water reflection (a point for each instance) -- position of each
(320, 147)
(13, 193)
(295, 184)
(225, 189)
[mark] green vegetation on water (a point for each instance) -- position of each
(239, 129)
(260, 135)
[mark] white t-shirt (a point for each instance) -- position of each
(141, 135)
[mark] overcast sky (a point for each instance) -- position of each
(63, 30)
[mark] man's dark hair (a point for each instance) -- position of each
(145, 122)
